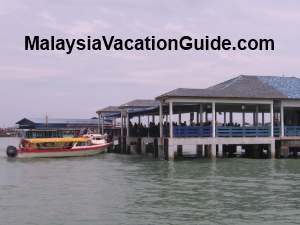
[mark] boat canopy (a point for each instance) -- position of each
(57, 140)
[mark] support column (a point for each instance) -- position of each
(272, 146)
(102, 125)
(153, 119)
(98, 123)
(201, 114)
(127, 124)
(171, 145)
(213, 119)
(256, 116)
(171, 119)
(122, 134)
(139, 119)
(179, 118)
(225, 119)
(191, 118)
(220, 150)
(231, 118)
(244, 118)
(213, 151)
(148, 126)
(263, 119)
(272, 119)
(161, 122)
(282, 120)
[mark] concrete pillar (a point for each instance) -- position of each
(171, 151)
(161, 122)
(225, 119)
(122, 134)
(213, 151)
(206, 116)
(213, 119)
(244, 118)
(139, 119)
(171, 118)
(198, 117)
(220, 150)
(254, 120)
(179, 118)
(148, 125)
(272, 146)
(153, 119)
(263, 119)
(282, 120)
(127, 124)
(272, 118)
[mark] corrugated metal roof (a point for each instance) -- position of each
(259, 87)
(140, 103)
(289, 86)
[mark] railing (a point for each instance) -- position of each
(291, 130)
(243, 132)
(192, 131)
(277, 131)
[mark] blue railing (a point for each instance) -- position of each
(277, 131)
(192, 131)
(292, 130)
(226, 131)
(243, 131)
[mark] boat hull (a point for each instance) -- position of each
(58, 153)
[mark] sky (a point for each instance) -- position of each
(36, 83)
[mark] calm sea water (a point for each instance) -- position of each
(113, 189)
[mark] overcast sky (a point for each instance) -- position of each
(75, 86)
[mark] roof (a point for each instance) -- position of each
(109, 109)
(140, 103)
(56, 140)
(245, 86)
(57, 121)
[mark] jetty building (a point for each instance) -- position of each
(256, 115)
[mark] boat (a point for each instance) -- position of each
(59, 147)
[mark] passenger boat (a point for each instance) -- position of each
(59, 147)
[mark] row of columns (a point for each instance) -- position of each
(214, 119)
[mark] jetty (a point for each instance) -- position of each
(255, 116)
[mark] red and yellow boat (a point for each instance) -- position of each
(58, 147)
